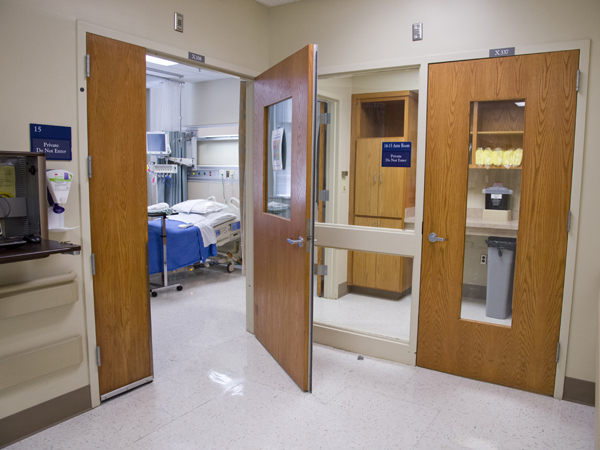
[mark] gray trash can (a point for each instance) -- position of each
(501, 274)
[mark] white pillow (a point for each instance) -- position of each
(198, 207)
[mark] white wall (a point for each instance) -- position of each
(351, 32)
(211, 102)
(38, 72)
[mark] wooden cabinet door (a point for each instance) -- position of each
(522, 355)
(363, 263)
(389, 268)
(368, 155)
(391, 193)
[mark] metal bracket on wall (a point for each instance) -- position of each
(324, 195)
(320, 269)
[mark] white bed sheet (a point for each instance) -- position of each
(206, 223)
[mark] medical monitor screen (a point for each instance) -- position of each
(156, 143)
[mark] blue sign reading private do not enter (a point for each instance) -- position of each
(396, 154)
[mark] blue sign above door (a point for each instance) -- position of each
(54, 141)
(396, 154)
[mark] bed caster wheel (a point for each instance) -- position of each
(230, 267)
(180, 288)
(154, 294)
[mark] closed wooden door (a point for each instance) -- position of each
(364, 264)
(391, 195)
(389, 268)
(116, 102)
(284, 105)
(368, 163)
(523, 354)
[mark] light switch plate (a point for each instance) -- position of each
(417, 30)
(179, 22)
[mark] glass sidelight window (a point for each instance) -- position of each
(278, 173)
(377, 300)
(492, 218)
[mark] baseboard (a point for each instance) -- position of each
(580, 391)
(37, 418)
(342, 289)
(364, 344)
(379, 293)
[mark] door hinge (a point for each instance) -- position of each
(422, 227)
(324, 195)
(89, 167)
(569, 221)
(557, 351)
(320, 269)
(98, 361)
(93, 264)
(578, 77)
(87, 65)
(325, 118)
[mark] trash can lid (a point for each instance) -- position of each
(502, 242)
(497, 190)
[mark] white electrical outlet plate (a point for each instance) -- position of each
(483, 259)
(179, 22)
(417, 31)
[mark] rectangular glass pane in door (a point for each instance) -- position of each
(278, 176)
(493, 198)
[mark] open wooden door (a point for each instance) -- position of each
(116, 101)
(284, 112)
(521, 103)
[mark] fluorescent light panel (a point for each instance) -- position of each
(156, 60)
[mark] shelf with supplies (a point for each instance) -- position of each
(37, 250)
(475, 166)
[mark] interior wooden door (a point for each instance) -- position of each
(364, 264)
(368, 163)
(389, 268)
(522, 355)
(392, 181)
(116, 102)
(285, 96)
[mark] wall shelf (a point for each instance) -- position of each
(30, 251)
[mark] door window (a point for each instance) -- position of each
(492, 216)
(278, 159)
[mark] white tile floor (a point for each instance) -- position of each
(380, 316)
(216, 387)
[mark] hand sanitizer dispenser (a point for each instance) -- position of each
(59, 184)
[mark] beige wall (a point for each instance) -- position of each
(211, 102)
(351, 32)
(38, 72)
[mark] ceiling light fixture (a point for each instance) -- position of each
(156, 60)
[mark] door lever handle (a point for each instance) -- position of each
(434, 238)
(300, 241)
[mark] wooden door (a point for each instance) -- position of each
(116, 101)
(364, 264)
(368, 163)
(283, 271)
(392, 180)
(389, 268)
(522, 355)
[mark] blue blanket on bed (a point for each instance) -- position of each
(184, 246)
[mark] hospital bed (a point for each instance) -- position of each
(198, 236)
